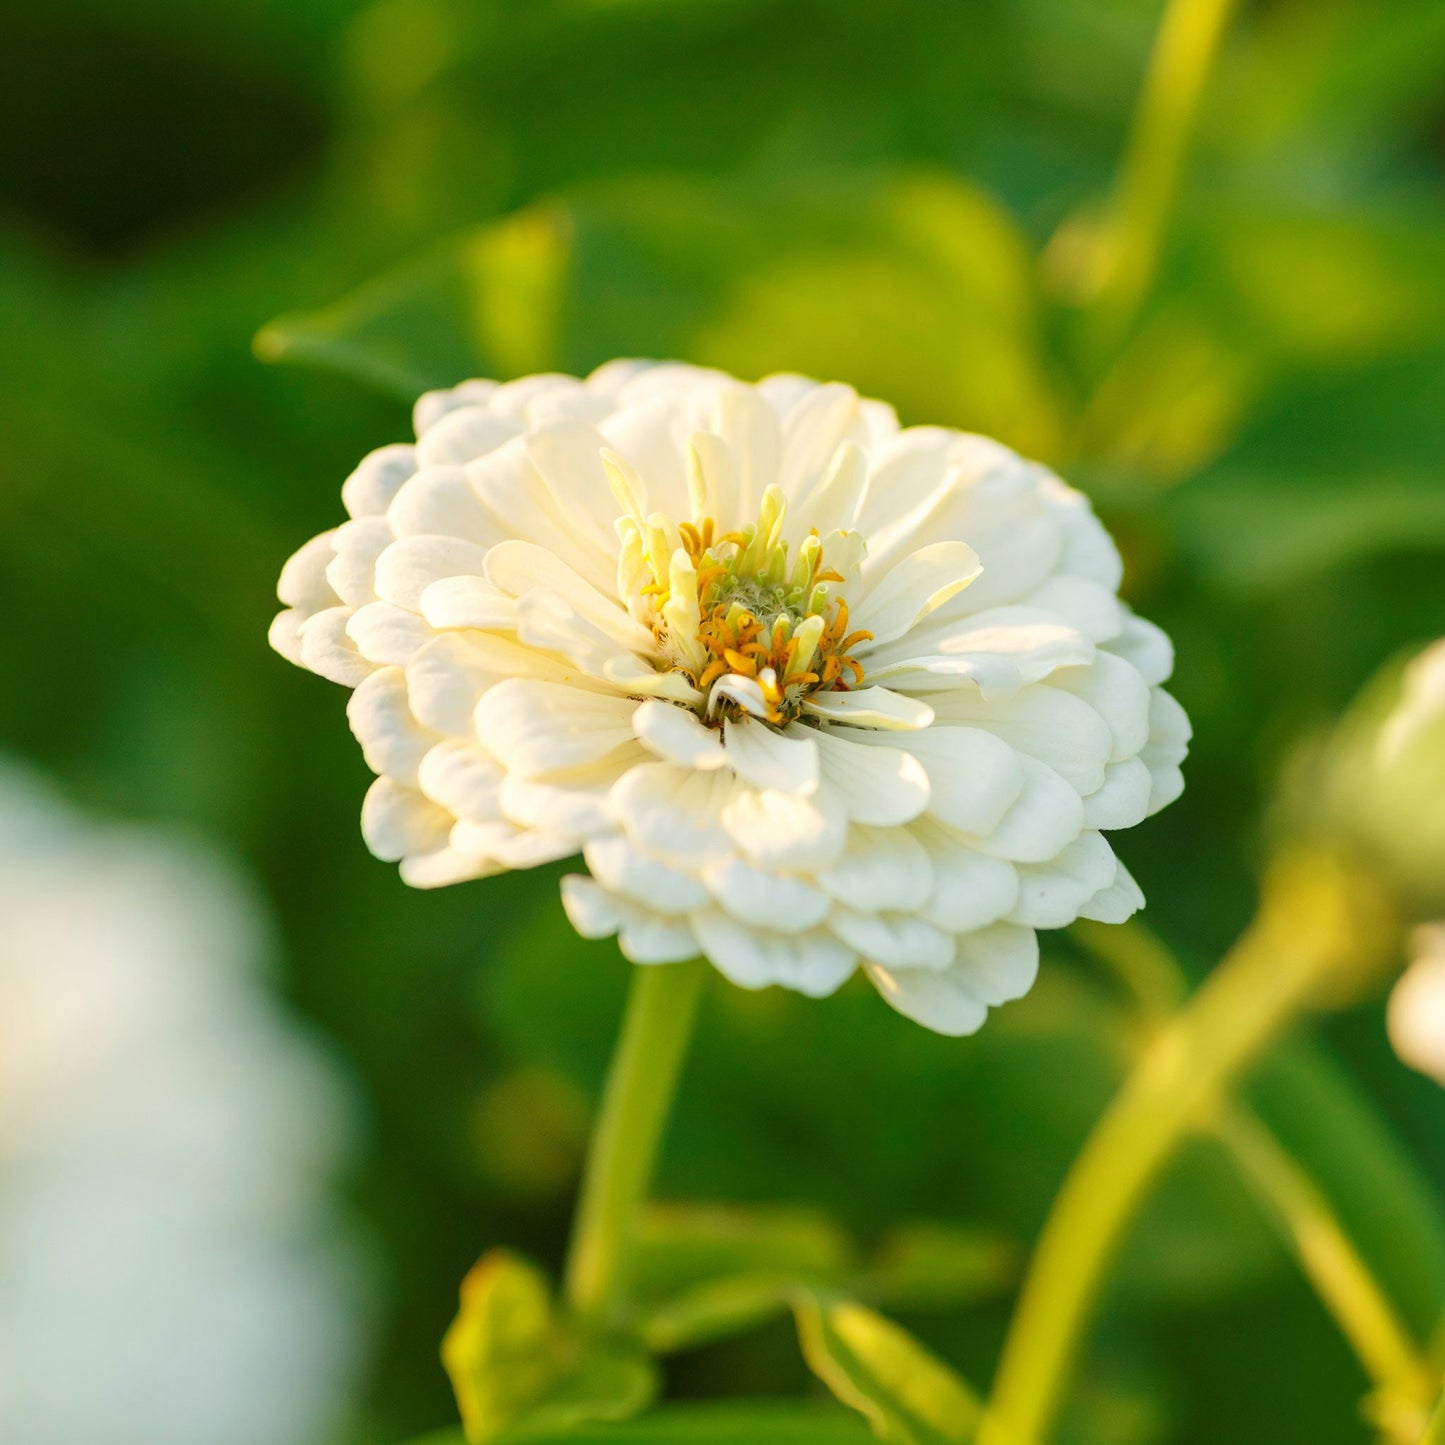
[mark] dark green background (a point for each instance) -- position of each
(855, 189)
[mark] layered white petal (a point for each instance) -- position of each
(514, 606)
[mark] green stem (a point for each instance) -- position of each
(1368, 1320)
(1313, 917)
(1435, 1430)
(661, 1007)
(1119, 266)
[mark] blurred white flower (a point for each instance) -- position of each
(169, 1266)
(805, 690)
(1416, 1013)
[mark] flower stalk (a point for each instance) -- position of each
(1317, 918)
(646, 1065)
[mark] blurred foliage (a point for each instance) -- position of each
(422, 189)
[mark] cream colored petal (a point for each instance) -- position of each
(787, 904)
(675, 735)
(386, 634)
(816, 964)
(1169, 734)
(464, 780)
(518, 567)
(1053, 894)
(1114, 689)
(368, 491)
(749, 426)
(914, 587)
(410, 565)
(870, 707)
(432, 406)
(445, 680)
(1094, 610)
(1000, 651)
(896, 939)
(590, 908)
(621, 868)
(1119, 901)
(674, 813)
(352, 570)
(392, 741)
(1145, 647)
(1123, 801)
(462, 435)
(551, 624)
(440, 501)
(514, 847)
(640, 679)
(970, 889)
(468, 602)
(876, 784)
(534, 728)
(1048, 816)
(974, 778)
(284, 634)
(397, 821)
(303, 581)
(881, 868)
(577, 806)
(813, 430)
(765, 758)
(1000, 964)
(447, 866)
(1044, 722)
(327, 649)
(568, 456)
(937, 1000)
(783, 831)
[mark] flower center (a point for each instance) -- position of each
(753, 629)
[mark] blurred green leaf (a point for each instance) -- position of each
(933, 1264)
(512, 1360)
(678, 1244)
(1335, 1131)
(876, 1367)
(914, 287)
(741, 1423)
(1334, 471)
(716, 1309)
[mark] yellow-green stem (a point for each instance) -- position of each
(1435, 1430)
(1333, 1265)
(1313, 917)
(646, 1064)
(1119, 266)
(1391, 1358)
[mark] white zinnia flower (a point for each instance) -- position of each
(168, 1273)
(806, 690)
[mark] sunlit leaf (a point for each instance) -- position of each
(1336, 471)
(512, 1360)
(915, 287)
(933, 1264)
(741, 1423)
(683, 1243)
(875, 1366)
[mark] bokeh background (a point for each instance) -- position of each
(895, 195)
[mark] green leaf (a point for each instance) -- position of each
(875, 1366)
(931, 1264)
(716, 1309)
(512, 1359)
(740, 1423)
(1336, 471)
(681, 1244)
(915, 287)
